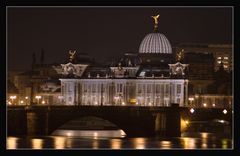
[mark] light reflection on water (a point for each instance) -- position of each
(203, 141)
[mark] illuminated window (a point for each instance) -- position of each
(178, 89)
(219, 62)
(219, 58)
(226, 58)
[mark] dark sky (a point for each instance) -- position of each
(105, 33)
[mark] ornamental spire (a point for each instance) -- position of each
(155, 21)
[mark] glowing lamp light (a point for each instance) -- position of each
(43, 102)
(9, 102)
(123, 103)
(191, 99)
(21, 101)
(213, 105)
(187, 122)
(38, 97)
(204, 105)
(224, 111)
(26, 97)
(13, 97)
(192, 110)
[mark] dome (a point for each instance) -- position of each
(155, 43)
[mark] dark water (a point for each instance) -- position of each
(187, 141)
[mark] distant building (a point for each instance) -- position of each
(222, 53)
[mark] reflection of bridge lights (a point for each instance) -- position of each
(224, 111)
(139, 143)
(59, 142)
(165, 144)
(12, 143)
(37, 143)
(116, 143)
(192, 110)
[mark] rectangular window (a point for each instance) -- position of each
(158, 88)
(139, 88)
(148, 88)
(178, 100)
(167, 89)
(94, 88)
(178, 88)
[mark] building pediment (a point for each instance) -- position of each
(178, 69)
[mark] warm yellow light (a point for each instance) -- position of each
(43, 102)
(213, 105)
(13, 97)
(184, 124)
(38, 97)
(9, 102)
(26, 97)
(133, 100)
(204, 105)
(226, 58)
(191, 99)
(21, 101)
(123, 103)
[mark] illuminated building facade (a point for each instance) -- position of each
(149, 78)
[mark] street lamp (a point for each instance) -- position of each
(38, 97)
(13, 97)
(191, 99)
(224, 111)
(26, 97)
(192, 110)
(204, 105)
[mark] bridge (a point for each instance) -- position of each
(134, 121)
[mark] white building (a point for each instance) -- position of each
(149, 78)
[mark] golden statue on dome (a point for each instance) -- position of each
(155, 21)
(72, 55)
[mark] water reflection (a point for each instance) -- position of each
(12, 143)
(116, 143)
(139, 143)
(165, 144)
(188, 143)
(37, 143)
(59, 142)
(200, 141)
(95, 144)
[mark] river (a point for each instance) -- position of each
(186, 141)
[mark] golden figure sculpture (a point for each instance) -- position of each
(72, 55)
(155, 19)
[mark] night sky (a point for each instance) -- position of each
(105, 33)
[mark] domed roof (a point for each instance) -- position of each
(155, 43)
